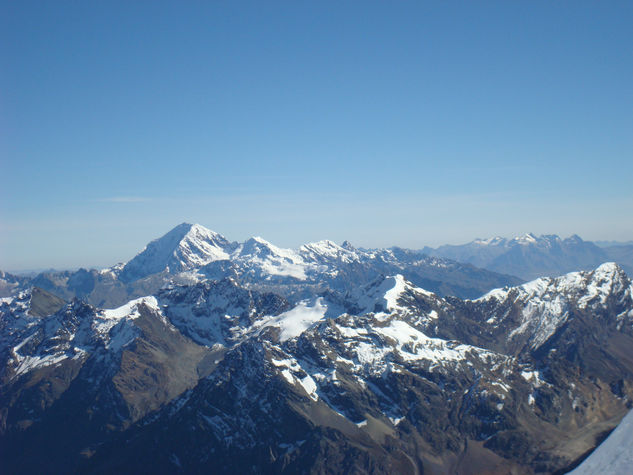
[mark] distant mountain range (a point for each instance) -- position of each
(529, 256)
(205, 355)
(192, 253)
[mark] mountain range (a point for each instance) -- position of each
(530, 257)
(248, 358)
(192, 253)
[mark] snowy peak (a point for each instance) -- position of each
(545, 304)
(527, 256)
(200, 246)
(190, 253)
(129, 310)
(589, 287)
(327, 251)
(385, 295)
(185, 247)
(493, 241)
(259, 247)
(526, 239)
(605, 279)
(261, 259)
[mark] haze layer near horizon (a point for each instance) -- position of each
(382, 124)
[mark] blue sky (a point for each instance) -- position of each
(385, 123)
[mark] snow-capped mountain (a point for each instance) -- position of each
(190, 253)
(186, 247)
(10, 284)
(529, 256)
(386, 376)
(546, 304)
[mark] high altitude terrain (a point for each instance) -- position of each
(191, 253)
(529, 256)
(249, 358)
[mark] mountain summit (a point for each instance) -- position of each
(191, 252)
(185, 247)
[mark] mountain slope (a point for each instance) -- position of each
(375, 389)
(185, 247)
(213, 376)
(191, 253)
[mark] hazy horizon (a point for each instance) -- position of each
(386, 125)
(64, 267)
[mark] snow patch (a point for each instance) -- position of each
(294, 322)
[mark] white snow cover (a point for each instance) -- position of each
(546, 301)
(392, 295)
(106, 321)
(386, 294)
(28, 363)
(272, 260)
(527, 238)
(533, 377)
(199, 247)
(412, 344)
(614, 456)
(293, 373)
(322, 251)
(403, 340)
(490, 241)
(294, 322)
(130, 309)
(188, 248)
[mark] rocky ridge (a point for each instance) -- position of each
(213, 375)
(191, 253)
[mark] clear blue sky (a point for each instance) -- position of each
(385, 123)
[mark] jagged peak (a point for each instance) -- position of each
(574, 238)
(609, 270)
(527, 238)
(323, 243)
(129, 309)
(184, 247)
(257, 247)
(255, 243)
(597, 282)
(609, 267)
(259, 240)
(384, 293)
(327, 248)
(493, 240)
(348, 246)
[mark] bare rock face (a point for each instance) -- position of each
(385, 377)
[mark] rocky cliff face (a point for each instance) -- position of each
(384, 377)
